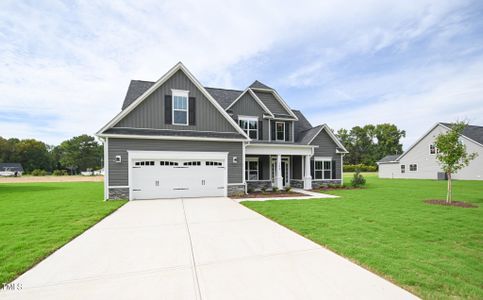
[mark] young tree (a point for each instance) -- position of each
(452, 153)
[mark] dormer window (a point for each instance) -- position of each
(280, 131)
(180, 107)
(250, 126)
(432, 149)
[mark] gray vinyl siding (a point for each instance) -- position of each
(271, 103)
(247, 106)
(118, 172)
(150, 113)
(327, 147)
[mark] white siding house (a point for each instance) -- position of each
(420, 162)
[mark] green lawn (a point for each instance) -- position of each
(432, 251)
(38, 218)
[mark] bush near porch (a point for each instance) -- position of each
(432, 251)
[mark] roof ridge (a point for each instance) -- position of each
(216, 88)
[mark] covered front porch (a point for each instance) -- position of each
(270, 166)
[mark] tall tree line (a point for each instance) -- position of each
(370, 143)
(76, 154)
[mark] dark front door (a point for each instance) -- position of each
(284, 172)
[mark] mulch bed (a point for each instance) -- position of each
(268, 195)
(452, 203)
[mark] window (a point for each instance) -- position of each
(192, 163)
(432, 149)
(214, 163)
(322, 169)
(251, 169)
(403, 169)
(250, 126)
(180, 107)
(413, 167)
(144, 163)
(168, 163)
(280, 131)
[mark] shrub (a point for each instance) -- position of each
(274, 189)
(360, 167)
(38, 172)
(263, 189)
(59, 173)
(358, 180)
(250, 190)
(288, 188)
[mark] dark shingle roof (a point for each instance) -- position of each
(224, 96)
(186, 133)
(303, 124)
(136, 88)
(258, 85)
(473, 132)
(388, 158)
(304, 137)
(12, 166)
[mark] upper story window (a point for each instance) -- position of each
(280, 131)
(180, 107)
(250, 126)
(433, 149)
(413, 167)
(403, 168)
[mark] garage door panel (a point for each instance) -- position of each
(178, 178)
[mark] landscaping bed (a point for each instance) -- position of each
(452, 203)
(267, 194)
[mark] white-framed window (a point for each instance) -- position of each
(413, 167)
(322, 168)
(192, 163)
(432, 149)
(214, 163)
(251, 169)
(403, 169)
(168, 163)
(180, 107)
(280, 131)
(249, 125)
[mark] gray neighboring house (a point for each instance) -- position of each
(420, 161)
(176, 138)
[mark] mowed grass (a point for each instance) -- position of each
(432, 251)
(38, 218)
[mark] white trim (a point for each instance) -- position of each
(182, 138)
(435, 149)
(236, 183)
(168, 129)
(293, 132)
(162, 80)
(243, 166)
(248, 160)
(280, 99)
(269, 130)
(249, 118)
(184, 94)
(276, 131)
(342, 169)
(118, 186)
(332, 136)
(106, 168)
(323, 159)
(255, 97)
(279, 149)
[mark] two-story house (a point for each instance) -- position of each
(420, 161)
(176, 138)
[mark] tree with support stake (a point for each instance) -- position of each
(452, 153)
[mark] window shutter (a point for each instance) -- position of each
(168, 109)
(287, 131)
(260, 168)
(260, 130)
(272, 125)
(192, 111)
(334, 172)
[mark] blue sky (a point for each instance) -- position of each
(65, 66)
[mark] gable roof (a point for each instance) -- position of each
(303, 123)
(258, 85)
(307, 136)
(388, 158)
(224, 96)
(12, 166)
(254, 97)
(178, 67)
(472, 132)
(136, 88)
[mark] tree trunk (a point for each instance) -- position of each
(449, 195)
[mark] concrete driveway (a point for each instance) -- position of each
(210, 248)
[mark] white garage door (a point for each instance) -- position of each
(176, 178)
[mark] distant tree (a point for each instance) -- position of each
(32, 154)
(388, 138)
(452, 153)
(80, 153)
(8, 149)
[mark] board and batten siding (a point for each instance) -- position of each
(150, 112)
(118, 172)
(247, 106)
(327, 148)
(271, 103)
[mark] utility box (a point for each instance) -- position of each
(442, 176)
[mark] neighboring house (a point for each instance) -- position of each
(11, 169)
(177, 138)
(420, 161)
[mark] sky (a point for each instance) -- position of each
(65, 66)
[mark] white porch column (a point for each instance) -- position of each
(307, 177)
(278, 173)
